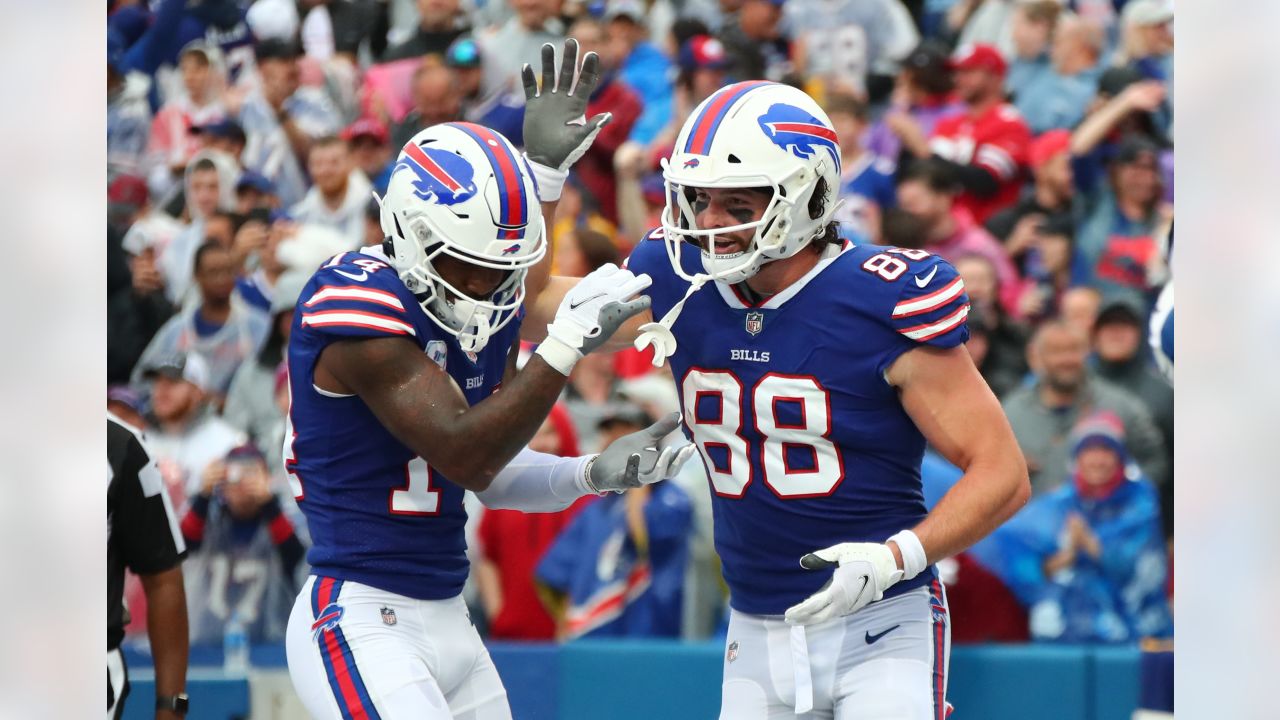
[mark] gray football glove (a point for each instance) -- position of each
(556, 132)
(634, 460)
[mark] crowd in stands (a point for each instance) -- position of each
(1028, 142)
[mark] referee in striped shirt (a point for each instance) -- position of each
(143, 535)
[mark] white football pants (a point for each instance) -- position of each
(356, 652)
(888, 661)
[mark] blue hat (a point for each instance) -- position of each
(226, 128)
(1101, 428)
(256, 181)
(463, 53)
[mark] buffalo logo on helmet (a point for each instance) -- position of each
(798, 132)
(442, 177)
(511, 249)
(691, 163)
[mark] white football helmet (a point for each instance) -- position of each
(463, 190)
(752, 134)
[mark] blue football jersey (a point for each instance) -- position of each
(377, 513)
(806, 445)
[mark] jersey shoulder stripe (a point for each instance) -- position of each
(358, 320)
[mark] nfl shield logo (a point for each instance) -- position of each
(755, 322)
(388, 616)
(733, 651)
(437, 352)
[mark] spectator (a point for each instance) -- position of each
(922, 91)
(135, 312)
(592, 394)
(130, 210)
(226, 136)
(1126, 104)
(209, 187)
(595, 169)
(221, 332)
(642, 66)
(519, 40)
(1088, 558)
(440, 22)
(1003, 361)
(867, 185)
(245, 554)
(618, 569)
(126, 404)
(986, 146)
(581, 250)
(512, 542)
(1148, 38)
(141, 536)
(753, 44)
(1078, 307)
(1120, 357)
(171, 145)
(1053, 193)
(340, 192)
(251, 406)
(435, 100)
(128, 113)
(282, 119)
(1118, 238)
(1043, 413)
(843, 41)
(1059, 99)
(253, 192)
(184, 431)
(1031, 28)
(370, 147)
(928, 190)
(1053, 267)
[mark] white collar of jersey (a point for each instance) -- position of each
(828, 256)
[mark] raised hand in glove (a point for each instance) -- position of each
(592, 312)
(863, 571)
(634, 460)
(556, 130)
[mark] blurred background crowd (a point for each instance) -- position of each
(1029, 142)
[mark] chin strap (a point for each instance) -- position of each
(658, 334)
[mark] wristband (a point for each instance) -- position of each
(586, 476)
(558, 355)
(914, 561)
(548, 180)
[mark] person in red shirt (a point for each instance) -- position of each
(987, 144)
(512, 543)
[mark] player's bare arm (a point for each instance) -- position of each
(958, 414)
(424, 408)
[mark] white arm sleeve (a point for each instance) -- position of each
(538, 482)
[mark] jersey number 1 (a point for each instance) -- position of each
(728, 454)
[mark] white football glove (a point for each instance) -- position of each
(635, 459)
(590, 313)
(863, 572)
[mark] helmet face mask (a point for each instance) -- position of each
(461, 191)
(752, 135)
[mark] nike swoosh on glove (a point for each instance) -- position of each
(591, 313)
(863, 571)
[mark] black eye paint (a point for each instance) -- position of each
(742, 214)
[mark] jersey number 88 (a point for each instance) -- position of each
(728, 454)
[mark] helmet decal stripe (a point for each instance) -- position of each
(704, 128)
(514, 206)
(432, 167)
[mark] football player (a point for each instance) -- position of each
(812, 373)
(395, 356)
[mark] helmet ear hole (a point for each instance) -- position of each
(735, 159)
(818, 200)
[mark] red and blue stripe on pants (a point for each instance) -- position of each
(339, 664)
